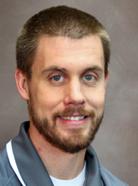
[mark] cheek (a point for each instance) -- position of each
(47, 100)
(96, 98)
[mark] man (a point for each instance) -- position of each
(62, 72)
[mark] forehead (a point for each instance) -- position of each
(65, 52)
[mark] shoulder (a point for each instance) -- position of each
(110, 179)
(7, 176)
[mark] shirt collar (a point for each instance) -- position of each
(93, 175)
(32, 168)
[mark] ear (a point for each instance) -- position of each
(22, 84)
(106, 78)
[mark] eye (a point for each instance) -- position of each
(89, 78)
(57, 78)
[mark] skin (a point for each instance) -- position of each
(80, 82)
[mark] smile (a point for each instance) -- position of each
(73, 121)
(73, 118)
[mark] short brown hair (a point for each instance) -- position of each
(57, 21)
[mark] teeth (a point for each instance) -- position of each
(76, 118)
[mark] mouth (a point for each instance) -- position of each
(73, 118)
(74, 121)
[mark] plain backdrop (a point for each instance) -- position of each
(117, 140)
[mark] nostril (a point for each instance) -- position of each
(71, 101)
(73, 92)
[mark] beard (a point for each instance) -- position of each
(71, 143)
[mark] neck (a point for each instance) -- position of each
(59, 164)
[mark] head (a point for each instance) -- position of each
(57, 21)
(62, 67)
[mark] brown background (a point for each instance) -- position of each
(116, 142)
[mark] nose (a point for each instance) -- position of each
(74, 94)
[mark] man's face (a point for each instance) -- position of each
(67, 91)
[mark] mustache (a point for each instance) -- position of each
(74, 110)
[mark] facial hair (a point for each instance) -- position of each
(49, 130)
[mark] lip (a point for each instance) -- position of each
(73, 123)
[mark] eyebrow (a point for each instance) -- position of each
(63, 70)
(94, 69)
(54, 68)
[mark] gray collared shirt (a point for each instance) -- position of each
(33, 171)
